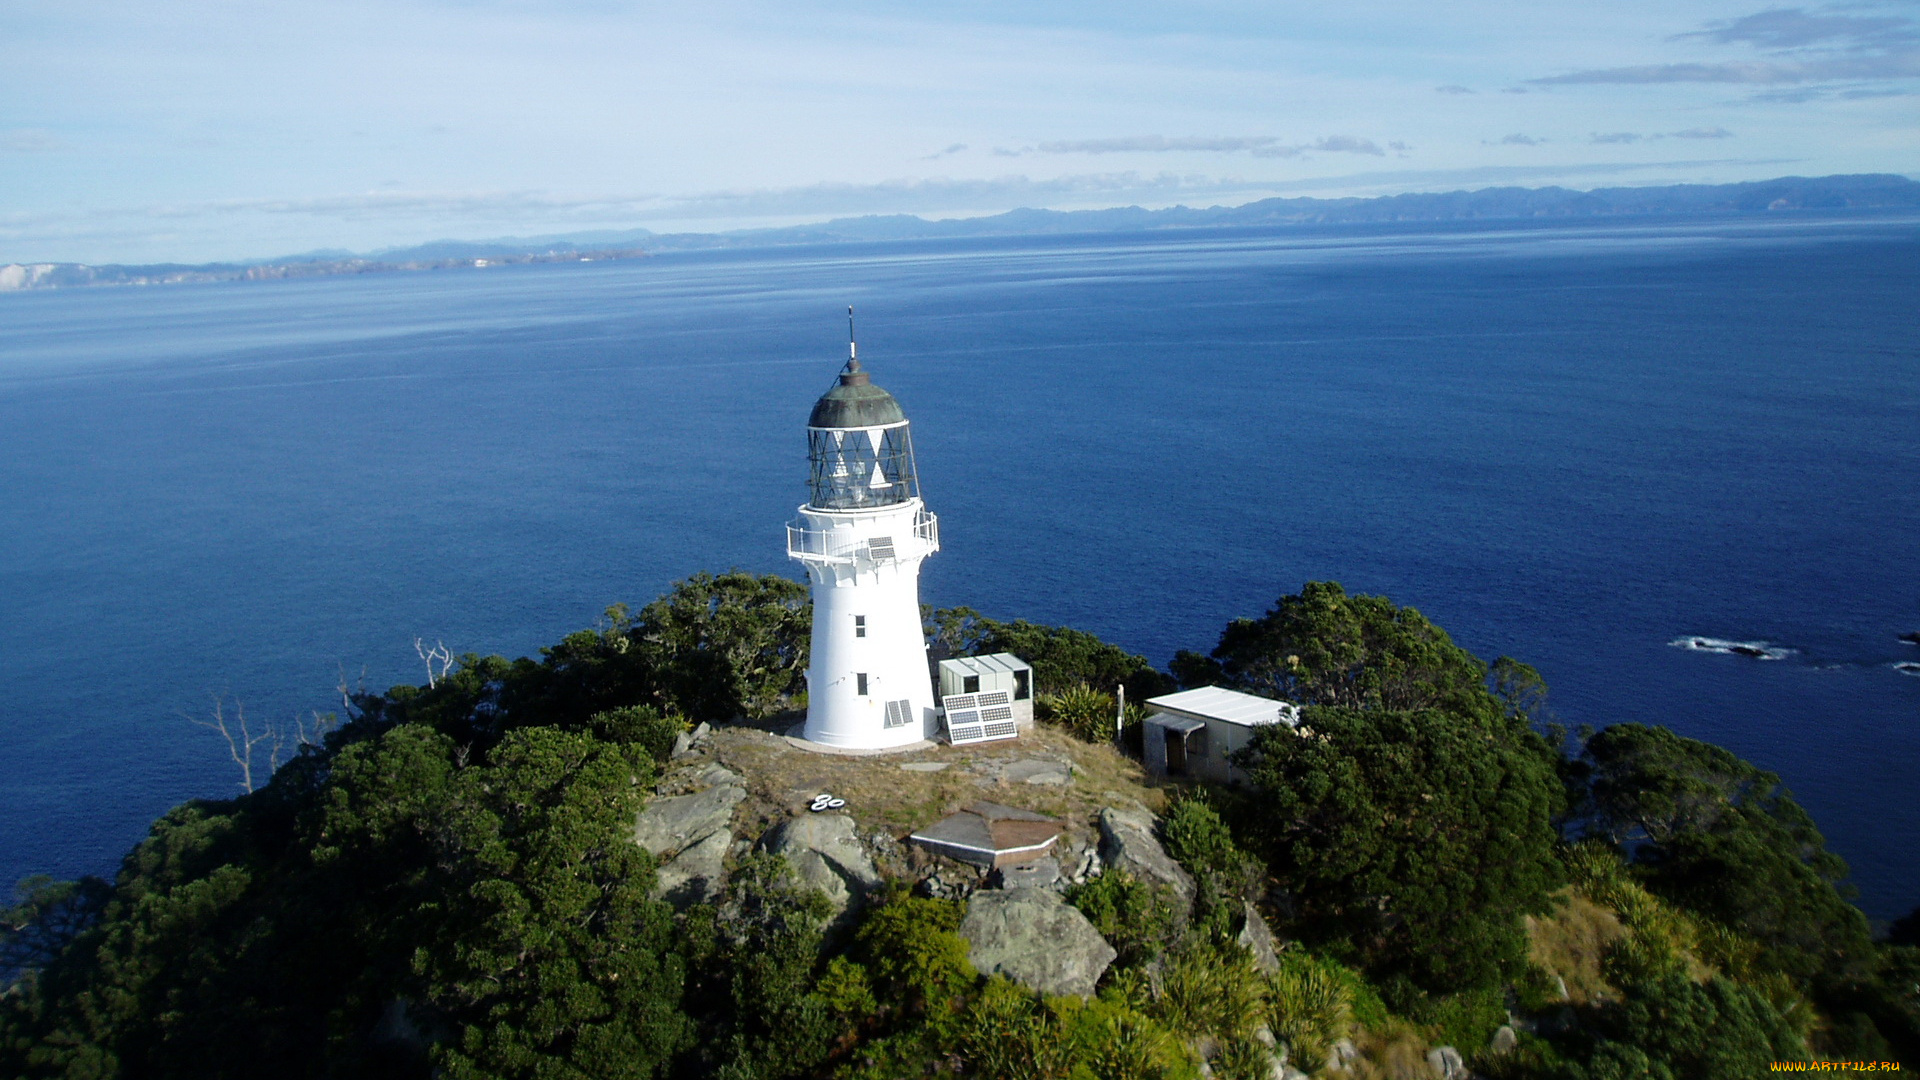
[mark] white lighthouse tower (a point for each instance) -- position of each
(862, 535)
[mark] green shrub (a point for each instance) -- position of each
(639, 725)
(1084, 712)
(1211, 991)
(1138, 918)
(1309, 1007)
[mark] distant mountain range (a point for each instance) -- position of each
(1866, 191)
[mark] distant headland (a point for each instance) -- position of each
(1871, 191)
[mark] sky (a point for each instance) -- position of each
(196, 130)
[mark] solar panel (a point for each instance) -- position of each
(899, 713)
(880, 547)
(969, 722)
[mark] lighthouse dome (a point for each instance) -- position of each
(854, 402)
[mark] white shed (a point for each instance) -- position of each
(995, 673)
(1191, 733)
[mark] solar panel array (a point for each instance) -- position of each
(899, 713)
(880, 547)
(979, 717)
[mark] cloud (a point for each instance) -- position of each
(1347, 144)
(1901, 65)
(1614, 137)
(1451, 88)
(1155, 144)
(30, 141)
(1793, 28)
(1701, 133)
(1518, 139)
(948, 152)
(1804, 48)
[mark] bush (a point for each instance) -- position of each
(639, 725)
(1085, 713)
(1138, 918)
(1309, 1007)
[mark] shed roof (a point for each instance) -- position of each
(991, 664)
(1227, 706)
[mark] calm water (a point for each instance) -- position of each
(1573, 445)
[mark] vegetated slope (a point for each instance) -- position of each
(451, 885)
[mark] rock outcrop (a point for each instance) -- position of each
(825, 854)
(692, 833)
(1257, 937)
(1127, 843)
(1034, 938)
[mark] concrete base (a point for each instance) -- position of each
(795, 738)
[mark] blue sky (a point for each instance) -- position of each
(205, 129)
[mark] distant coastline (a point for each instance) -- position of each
(1870, 191)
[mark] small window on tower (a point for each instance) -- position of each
(1021, 691)
(969, 684)
(859, 626)
(860, 683)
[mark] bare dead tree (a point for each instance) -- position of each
(439, 654)
(240, 745)
(348, 694)
(243, 741)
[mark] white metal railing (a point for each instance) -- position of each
(817, 545)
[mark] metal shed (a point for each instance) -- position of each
(1192, 733)
(998, 672)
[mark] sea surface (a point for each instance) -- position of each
(1576, 444)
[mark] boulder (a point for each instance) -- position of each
(1034, 938)
(696, 874)
(1504, 1040)
(1038, 874)
(666, 825)
(824, 854)
(1446, 1063)
(1257, 938)
(1127, 843)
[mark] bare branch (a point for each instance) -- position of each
(439, 654)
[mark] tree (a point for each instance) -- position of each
(727, 646)
(1725, 839)
(1419, 837)
(1324, 647)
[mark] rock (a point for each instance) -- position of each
(699, 777)
(1288, 1072)
(1038, 874)
(924, 766)
(682, 746)
(696, 874)
(825, 854)
(1343, 1051)
(1504, 1040)
(1034, 938)
(1257, 937)
(1446, 1063)
(668, 824)
(1127, 843)
(702, 733)
(1050, 773)
(1560, 984)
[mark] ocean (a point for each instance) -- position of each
(1574, 443)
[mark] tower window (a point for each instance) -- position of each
(969, 684)
(859, 626)
(1021, 691)
(860, 683)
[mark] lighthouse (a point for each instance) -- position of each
(862, 536)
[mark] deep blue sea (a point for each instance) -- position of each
(1574, 444)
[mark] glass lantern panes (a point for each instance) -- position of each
(857, 468)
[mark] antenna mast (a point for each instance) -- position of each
(853, 350)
